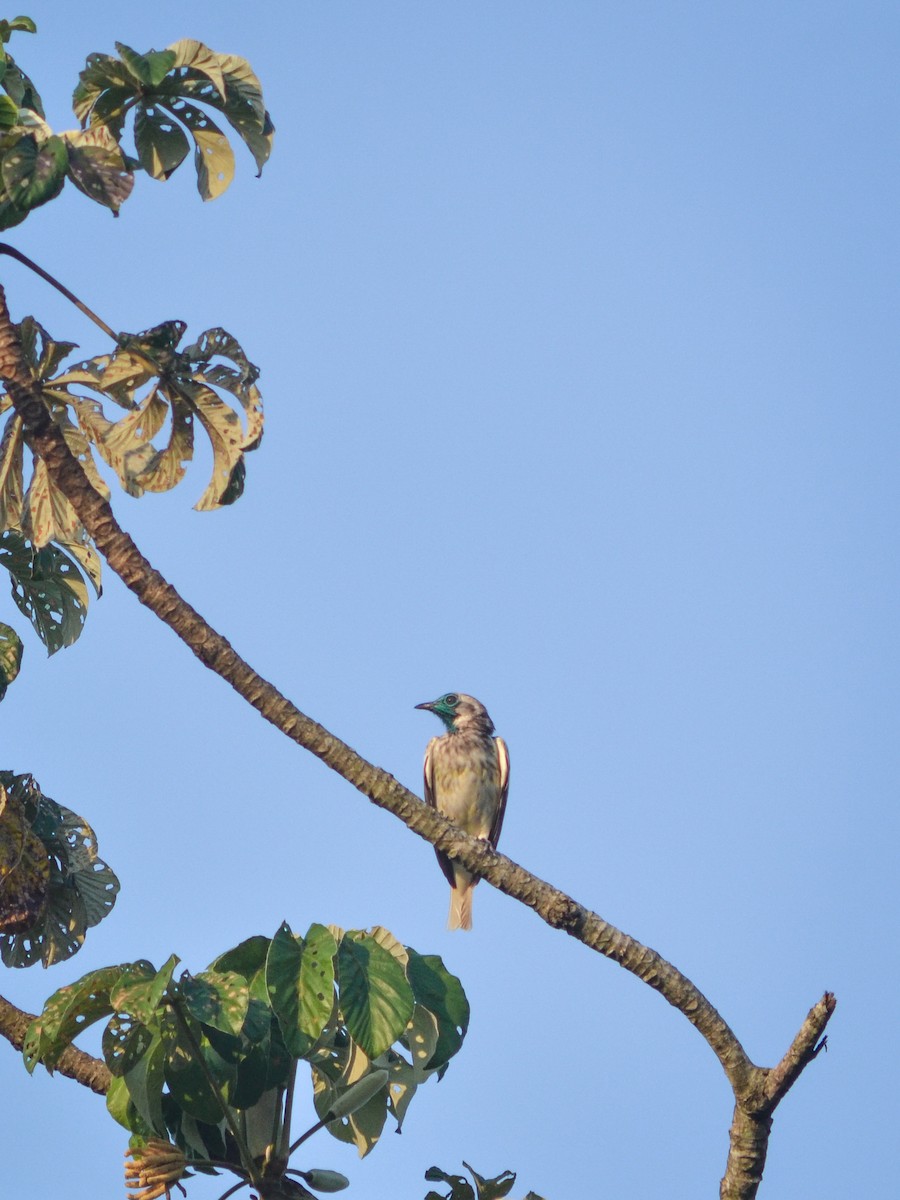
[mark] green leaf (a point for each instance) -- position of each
(317, 980)
(284, 983)
(375, 998)
(20, 88)
(34, 173)
(66, 1013)
(104, 92)
(145, 1083)
(141, 988)
(150, 68)
(118, 1101)
(246, 959)
(9, 112)
(125, 1041)
(185, 1076)
(10, 656)
(17, 24)
(442, 994)
(47, 587)
(216, 998)
(161, 144)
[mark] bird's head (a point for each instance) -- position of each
(459, 711)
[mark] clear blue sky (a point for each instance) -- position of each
(578, 332)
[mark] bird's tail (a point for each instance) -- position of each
(461, 906)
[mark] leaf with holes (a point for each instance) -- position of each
(65, 1014)
(164, 88)
(47, 587)
(219, 361)
(217, 998)
(442, 994)
(227, 83)
(97, 166)
(159, 140)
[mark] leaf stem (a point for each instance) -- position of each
(5, 248)
(303, 1136)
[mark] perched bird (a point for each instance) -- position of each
(466, 779)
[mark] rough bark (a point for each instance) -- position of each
(757, 1090)
(73, 1063)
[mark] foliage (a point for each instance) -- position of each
(209, 1061)
(53, 884)
(165, 95)
(183, 386)
(484, 1189)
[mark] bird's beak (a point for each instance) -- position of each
(429, 705)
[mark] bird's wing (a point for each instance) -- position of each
(503, 764)
(429, 774)
(443, 861)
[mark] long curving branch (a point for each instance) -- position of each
(757, 1090)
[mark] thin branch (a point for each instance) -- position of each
(806, 1046)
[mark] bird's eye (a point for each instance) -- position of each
(451, 700)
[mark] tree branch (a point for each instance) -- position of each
(75, 1064)
(750, 1132)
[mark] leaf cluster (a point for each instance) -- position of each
(166, 391)
(164, 97)
(53, 884)
(209, 1060)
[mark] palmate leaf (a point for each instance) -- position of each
(164, 90)
(81, 889)
(166, 392)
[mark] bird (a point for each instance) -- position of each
(466, 779)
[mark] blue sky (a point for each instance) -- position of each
(577, 329)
